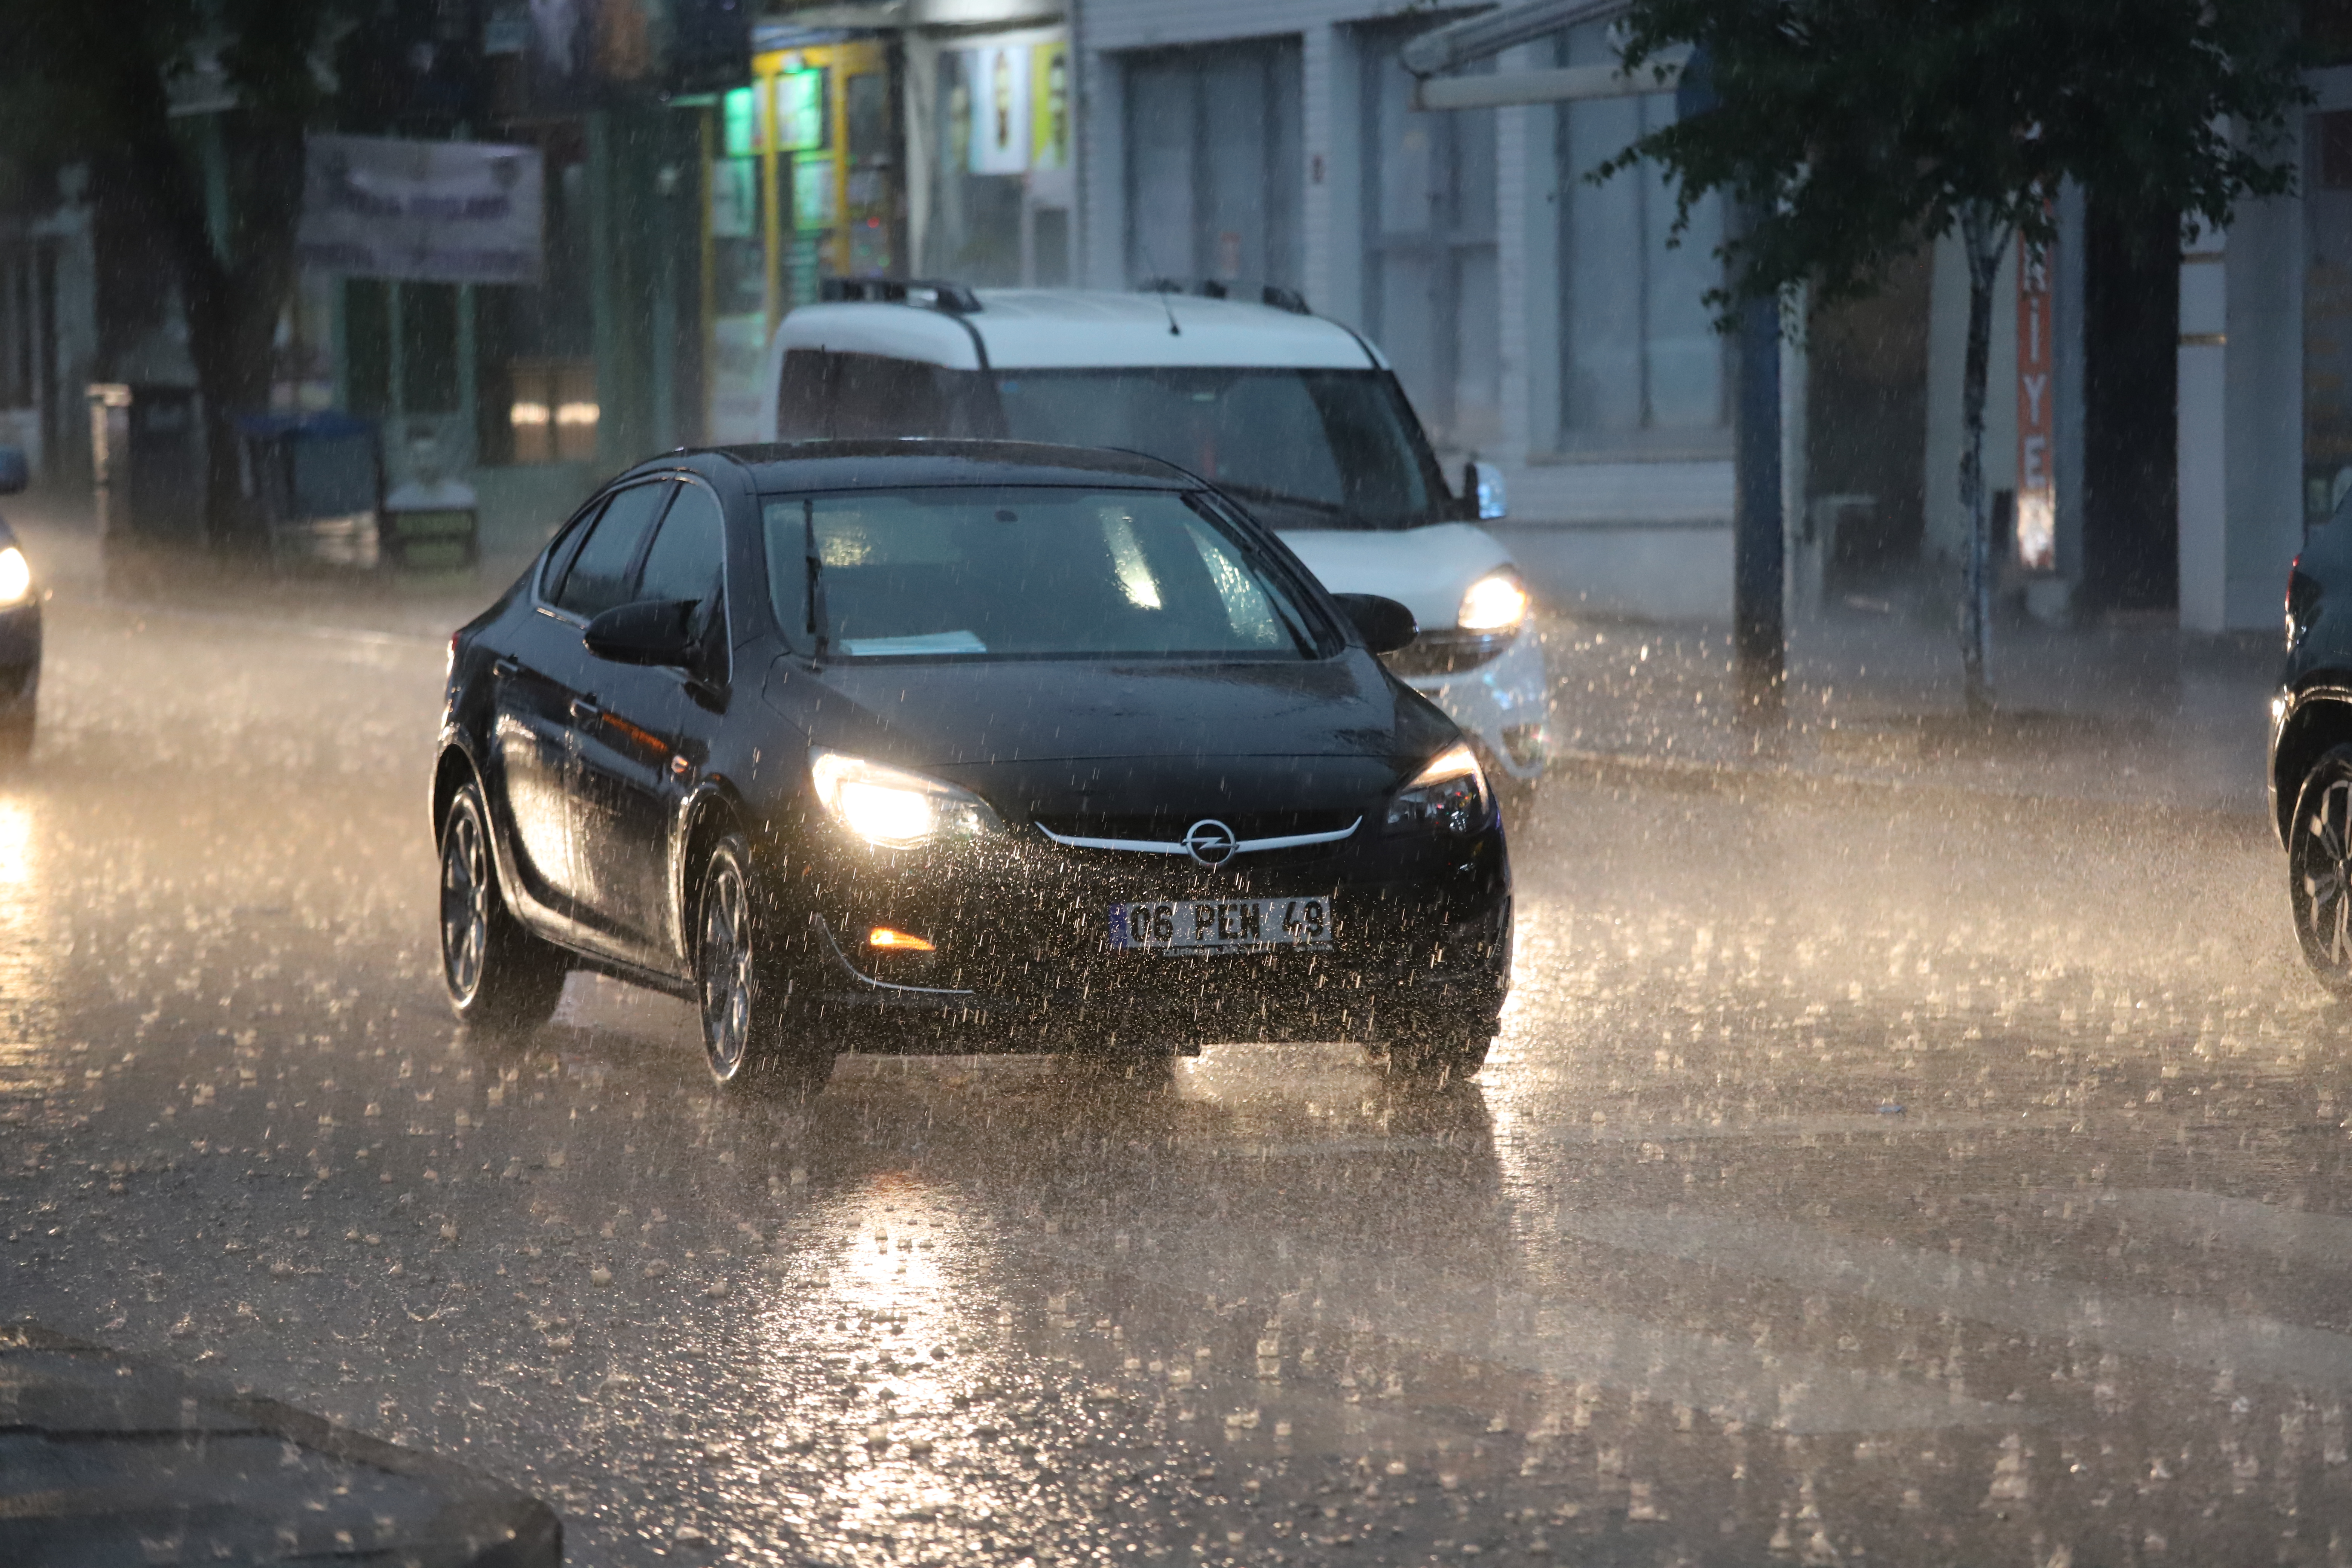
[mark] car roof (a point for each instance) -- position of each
(792, 465)
(1083, 328)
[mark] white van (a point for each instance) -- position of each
(1298, 418)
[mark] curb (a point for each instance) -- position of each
(1626, 768)
(115, 1459)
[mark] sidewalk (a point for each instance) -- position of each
(2120, 714)
(61, 538)
(107, 1458)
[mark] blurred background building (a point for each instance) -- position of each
(703, 165)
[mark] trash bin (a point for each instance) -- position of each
(313, 485)
(147, 447)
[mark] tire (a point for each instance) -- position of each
(16, 740)
(741, 991)
(1432, 1059)
(2319, 870)
(500, 978)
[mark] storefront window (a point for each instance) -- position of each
(1641, 363)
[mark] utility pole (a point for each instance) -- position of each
(1759, 548)
(1759, 633)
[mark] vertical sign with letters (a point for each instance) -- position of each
(2037, 490)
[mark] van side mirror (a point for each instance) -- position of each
(15, 472)
(651, 631)
(1384, 625)
(1481, 487)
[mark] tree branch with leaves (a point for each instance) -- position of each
(94, 79)
(1854, 131)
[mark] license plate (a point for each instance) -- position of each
(1222, 925)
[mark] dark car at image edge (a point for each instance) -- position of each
(960, 746)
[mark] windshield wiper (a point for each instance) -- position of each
(816, 616)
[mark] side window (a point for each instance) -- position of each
(801, 411)
(598, 577)
(567, 546)
(685, 559)
(875, 397)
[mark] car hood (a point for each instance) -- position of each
(1424, 569)
(1082, 739)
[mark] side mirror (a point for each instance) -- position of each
(15, 472)
(1482, 484)
(1384, 625)
(651, 631)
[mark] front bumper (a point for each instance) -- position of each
(1504, 705)
(1024, 959)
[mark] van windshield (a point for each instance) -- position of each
(1305, 448)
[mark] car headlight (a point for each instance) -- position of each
(1495, 602)
(15, 575)
(1449, 795)
(892, 807)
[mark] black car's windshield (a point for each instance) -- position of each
(987, 571)
(1326, 448)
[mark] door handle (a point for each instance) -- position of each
(505, 666)
(584, 711)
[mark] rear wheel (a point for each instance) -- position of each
(746, 1016)
(1432, 1058)
(2319, 870)
(500, 978)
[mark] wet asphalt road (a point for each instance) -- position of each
(1860, 1178)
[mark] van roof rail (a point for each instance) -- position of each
(1273, 294)
(936, 293)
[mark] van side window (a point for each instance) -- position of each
(823, 395)
(874, 397)
(801, 402)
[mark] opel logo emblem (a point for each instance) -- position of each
(1210, 842)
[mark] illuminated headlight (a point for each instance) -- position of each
(892, 807)
(15, 575)
(1494, 603)
(1449, 795)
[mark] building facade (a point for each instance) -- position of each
(1536, 320)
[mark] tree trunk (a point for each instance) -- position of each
(233, 287)
(1984, 239)
(234, 307)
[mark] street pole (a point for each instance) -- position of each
(1759, 546)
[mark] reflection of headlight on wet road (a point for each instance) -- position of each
(15, 575)
(1493, 603)
(16, 842)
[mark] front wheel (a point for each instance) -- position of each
(2319, 870)
(744, 997)
(500, 978)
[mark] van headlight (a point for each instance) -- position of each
(16, 576)
(1449, 795)
(892, 807)
(1495, 602)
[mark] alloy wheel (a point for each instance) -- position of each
(726, 969)
(464, 903)
(2323, 876)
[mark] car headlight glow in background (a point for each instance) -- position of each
(1493, 604)
(893, 808)
(15, 575)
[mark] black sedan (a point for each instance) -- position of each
(944, 746)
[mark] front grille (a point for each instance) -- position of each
(1448, 652)
(1162, 828)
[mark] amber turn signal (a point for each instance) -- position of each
(903, 942)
